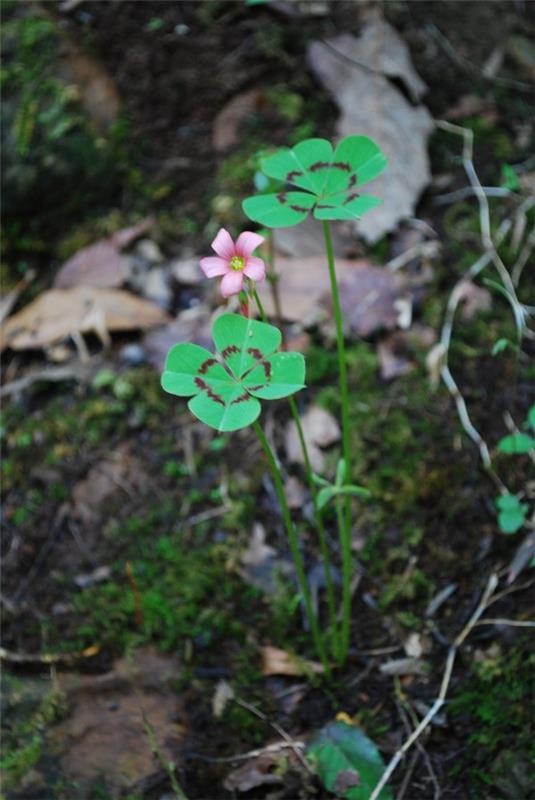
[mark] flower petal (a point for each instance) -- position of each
(231, 283)
(223, 245)
(247, 242)
(212, 266)
(255, 269)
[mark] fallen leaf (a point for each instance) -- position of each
(320, 429)
(223, 693)
(372, 106)
(296, 494)
(303, 282)
(279, 662)
(405, 666)
(101, 264)
(393, 358)
(472, 299)
(120, 472)
(256, 772)
(261, 565)
(370, 300)
(192, 325)
(59, 313)
(306, 239)
(227, 124)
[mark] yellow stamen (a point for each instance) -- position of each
(237, 263)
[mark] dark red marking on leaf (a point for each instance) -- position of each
(319, 165)
(281, 197)
(352, 181)
(323, 205)
(211, 394)
(229, 350)
(300, 208)
(350, 197)
(295, 173)
(205, 366)
(255, 352)
(257, 388)
(240, 399)
(343, 165)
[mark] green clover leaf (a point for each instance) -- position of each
(327, 182)
(511, 513)
(225, 389)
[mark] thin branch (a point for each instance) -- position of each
(439, 702)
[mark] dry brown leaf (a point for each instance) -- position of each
(370, 298)
(255, 772)
(320, 429)
(393, 357)
(59, 313)
(120, 472)
(226, 130)
(306, 239)
(302, 284)
(473, 299)
(101, 264)
(371, 105)
(223, 693)
(279, 662)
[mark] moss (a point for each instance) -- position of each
(32, 711)
(495, 705)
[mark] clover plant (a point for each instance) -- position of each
(512, 512)
(226, 386)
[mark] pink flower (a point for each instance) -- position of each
(234, 261)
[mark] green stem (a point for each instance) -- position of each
(258, 303)
(345, 519)
(294, 547)
(331, 602)
(346, 579)
(314, 494)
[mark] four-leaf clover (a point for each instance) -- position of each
(327, 182)
(225, 388)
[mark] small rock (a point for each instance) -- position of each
(98, 575)
(149, 251)
(132, 355)
(186, 271)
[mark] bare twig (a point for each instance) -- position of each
(489, 256)
(47, 658)
(296, 746)
(467, 65)
(439, 702)
(167, 765)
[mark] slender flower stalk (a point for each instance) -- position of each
(344, 518)
(324, 549)
(294, 547)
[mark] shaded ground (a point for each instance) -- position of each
(116, 476)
